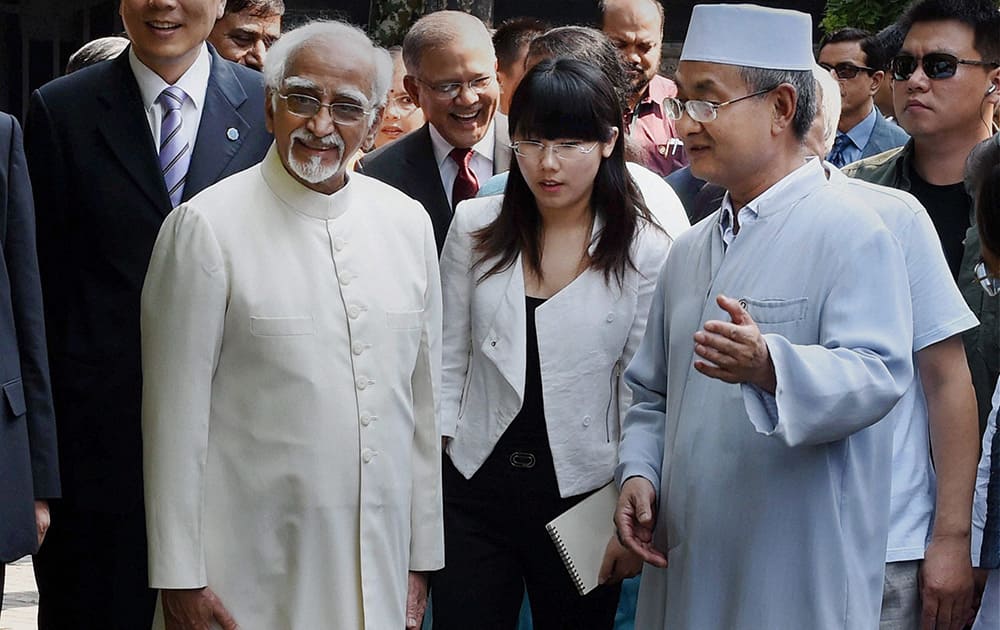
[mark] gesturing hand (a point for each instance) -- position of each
(734, 352)
(194, 609)
(635, 517)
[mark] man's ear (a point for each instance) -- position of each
(411, 87)
(784, 99)
(269, 99)
(877, 77)
(221, 10)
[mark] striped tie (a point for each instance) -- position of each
(175, 152)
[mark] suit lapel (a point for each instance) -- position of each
(426, 177)
(504, 344)
(126, 130)
(222, 128)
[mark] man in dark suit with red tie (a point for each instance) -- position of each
(111, 150)
(452, 76)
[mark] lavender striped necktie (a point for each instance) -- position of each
(175, 152)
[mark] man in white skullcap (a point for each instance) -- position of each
(755, 460)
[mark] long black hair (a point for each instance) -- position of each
(565, 98)
(982, 176)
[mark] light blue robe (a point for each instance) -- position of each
(773, 510)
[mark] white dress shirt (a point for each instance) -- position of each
(194, 82)
(482, 158)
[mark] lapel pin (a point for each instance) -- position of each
(233, 134)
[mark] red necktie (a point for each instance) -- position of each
(466, 184)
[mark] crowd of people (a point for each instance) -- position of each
(299, 332)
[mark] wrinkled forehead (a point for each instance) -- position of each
(328, 69)
(703, 79)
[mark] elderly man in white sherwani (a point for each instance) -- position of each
(755, 461)
(291, 323)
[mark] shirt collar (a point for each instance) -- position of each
(862, 132)
(656, 90)
(779, 196)
(442, 149)
(301, 199)
(194, 81)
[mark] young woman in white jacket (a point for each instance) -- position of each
(546, 292)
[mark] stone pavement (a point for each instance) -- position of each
(20, 597)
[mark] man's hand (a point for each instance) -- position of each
(42, 519)
(619, 563)
(194, 609)
(416, 598)
(635, 517)
(735, 352)
(946, 584)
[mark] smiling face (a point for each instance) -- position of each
(463, 120)
(401, 113)
(315, 150)
(955, 106)
(727, 151)
(167, 35)
(244, 38)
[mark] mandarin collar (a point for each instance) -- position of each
(301, 199)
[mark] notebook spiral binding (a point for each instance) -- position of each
(567, 560)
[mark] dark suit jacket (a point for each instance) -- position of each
(885, 135)
(29, 468)
(408, 165)
(699, 198)
(100, 200)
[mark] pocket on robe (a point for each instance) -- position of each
(281, 326)
(776, 311)
(404, 320)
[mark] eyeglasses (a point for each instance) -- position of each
(936, 65)
(403, 103)
(702, 111)
(531, 150)
(307, 107)
(990, 283)
(845, 70)
(449, 91)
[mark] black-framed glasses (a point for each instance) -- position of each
(307, 106)
(937, 65)
(449, 91)
(846, 70)
(533, 150)
(703, 111)
(990, 283)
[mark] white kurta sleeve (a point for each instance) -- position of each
(457, 284)
(427, 506)
(183, 309)
(640, 451)
(862, 364)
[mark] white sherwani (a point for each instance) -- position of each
(774, 510)
(291, 352)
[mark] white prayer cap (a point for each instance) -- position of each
(749, 35)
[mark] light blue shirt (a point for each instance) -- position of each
(763, 496)
(859, 136)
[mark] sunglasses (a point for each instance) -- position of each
(846, 70)
(937, 65)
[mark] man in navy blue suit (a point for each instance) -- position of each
(29, 470)
(111, 150)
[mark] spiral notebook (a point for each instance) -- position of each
(581, 535)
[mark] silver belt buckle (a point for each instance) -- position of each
(522, 460)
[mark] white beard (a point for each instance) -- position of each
(314, 170)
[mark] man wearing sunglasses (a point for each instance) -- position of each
(945, 83)
(852, 55)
